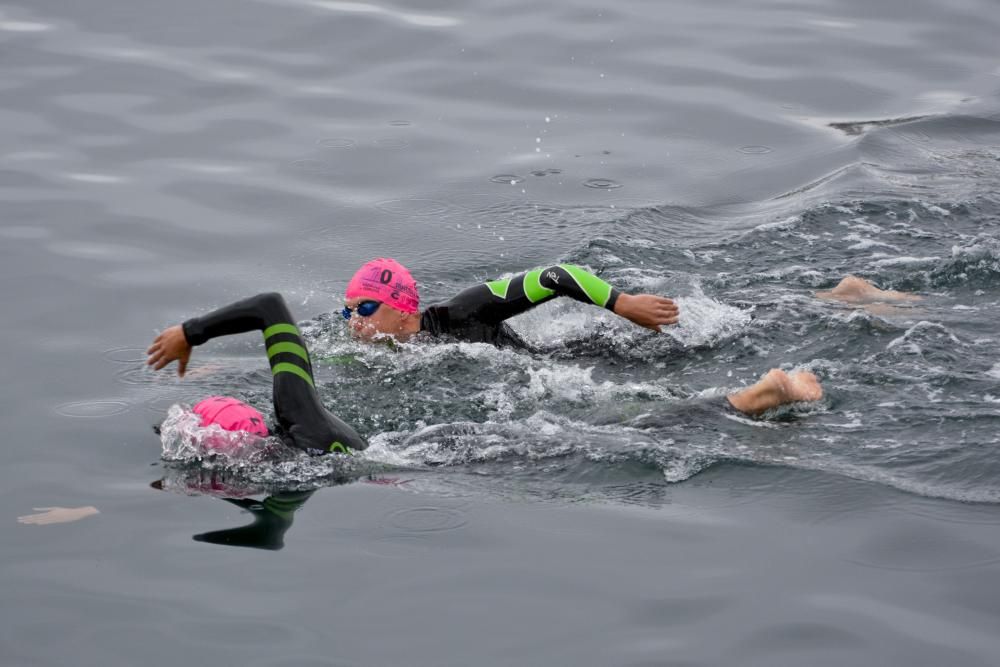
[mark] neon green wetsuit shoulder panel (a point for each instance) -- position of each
(477, 313)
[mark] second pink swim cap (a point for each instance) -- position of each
(231, 415)
(388, 281)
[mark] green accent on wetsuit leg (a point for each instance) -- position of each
(293, 348)
(533, 288)
(274, 507)
(499, 287)
(596, 289)
(281, 328)
(337, 447)
(285, 367)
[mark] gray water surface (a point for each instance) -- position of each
(585, 505)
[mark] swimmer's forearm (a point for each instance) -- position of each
(508, 297)
(253, 314)
(567, 280)
(267, 313)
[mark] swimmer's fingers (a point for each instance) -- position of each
(667, 312)
(647, 310)
(664, 302)
(667, 308)
(170, 345)
(158, 359)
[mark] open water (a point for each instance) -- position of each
(584, 505)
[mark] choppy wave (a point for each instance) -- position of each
(911, 395)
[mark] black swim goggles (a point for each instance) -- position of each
(364, 309)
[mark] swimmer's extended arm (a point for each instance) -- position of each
(498, 300)
(264, 312)
(303, 418)
(286, 351)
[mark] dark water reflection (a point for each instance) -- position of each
(161, 158)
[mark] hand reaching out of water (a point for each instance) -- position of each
(57, 515)
(647, 310)
(170, 345)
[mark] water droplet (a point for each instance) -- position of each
(755, 150)
(602, 184)
(507, 179)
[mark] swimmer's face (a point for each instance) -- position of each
(386, 320)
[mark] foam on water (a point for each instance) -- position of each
(910, 387)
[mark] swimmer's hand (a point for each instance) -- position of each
(170, 345)
(647, 310)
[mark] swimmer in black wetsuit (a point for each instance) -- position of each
(302, 420)
(382, 299)
(478, 314)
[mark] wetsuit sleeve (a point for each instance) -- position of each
(286, 351)
(301, 414)
(498, 300)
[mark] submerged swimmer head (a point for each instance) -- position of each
(231, 415)
(382, 298)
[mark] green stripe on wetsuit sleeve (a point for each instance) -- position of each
(287, 347)
(596, 289)
(292, 348)
(285, 367)
(281, 328)
(499, 287)
(533, 288)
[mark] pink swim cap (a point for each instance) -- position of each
(231, 415)
(388, 281)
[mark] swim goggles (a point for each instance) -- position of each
(364, 309)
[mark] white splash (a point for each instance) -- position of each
(704, 321)
(182, 438)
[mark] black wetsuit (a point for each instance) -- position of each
(303, 422)
(477, 314)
